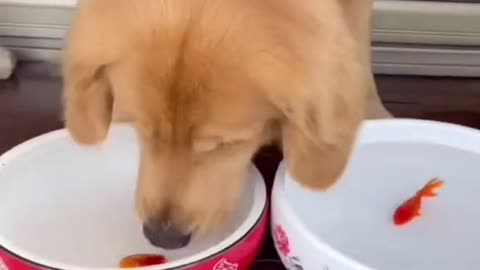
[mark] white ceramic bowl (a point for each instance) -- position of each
(63, 206)
(351, 225)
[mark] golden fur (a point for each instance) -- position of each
(208, 82)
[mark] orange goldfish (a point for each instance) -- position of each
(411, 208)
(142, 260)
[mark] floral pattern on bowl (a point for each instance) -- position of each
(283, 246)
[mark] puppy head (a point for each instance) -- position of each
(199, 128)
(199, 119)
(204, 95)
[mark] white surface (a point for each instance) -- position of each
(70, 207)
(34, 30)
(394, 21)
(397, 21)
(426, 22)
(67, 3)
(351, 225)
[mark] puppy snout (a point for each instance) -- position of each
(165, 236)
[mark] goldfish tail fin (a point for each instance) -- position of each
(431, 188)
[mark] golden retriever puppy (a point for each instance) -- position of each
(206, 83)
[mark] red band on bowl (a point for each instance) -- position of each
(240, 256)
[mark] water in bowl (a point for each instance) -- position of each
(355, 217)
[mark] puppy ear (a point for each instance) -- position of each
(88, 99)
(88, 104)
(318, 137)
(321, 114)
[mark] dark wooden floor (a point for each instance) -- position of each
(30, 105)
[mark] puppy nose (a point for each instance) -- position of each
(166, 237)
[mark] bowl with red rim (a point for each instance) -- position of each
(351, 226)
(68, 207)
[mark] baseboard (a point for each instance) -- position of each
(410, 37)
(401, 59)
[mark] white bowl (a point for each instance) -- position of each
(63, 206)
(350, 226)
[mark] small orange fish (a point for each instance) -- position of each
(142, 260)
(410, 209)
